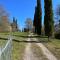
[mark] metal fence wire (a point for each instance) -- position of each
(6, 51)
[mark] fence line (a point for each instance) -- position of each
(6, 52)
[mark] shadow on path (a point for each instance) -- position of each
(26, 41)
(32, 36)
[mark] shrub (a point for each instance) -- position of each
(57, 35)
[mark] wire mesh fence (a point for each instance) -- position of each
(6, 51)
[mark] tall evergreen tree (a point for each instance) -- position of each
(48, 18)
(37, 18)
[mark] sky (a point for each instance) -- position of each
(23, 9)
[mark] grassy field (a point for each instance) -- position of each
(18, 47)
(15, 33)
(53, 46)
(17, 36)
(2, 42)
(38, 52)
(18, 50)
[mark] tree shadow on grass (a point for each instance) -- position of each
(31, 36)
(31, 41)
(38, 41)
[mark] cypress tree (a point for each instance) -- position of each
(37, 18)
(48, 18)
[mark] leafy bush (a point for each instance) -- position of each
(57, 35)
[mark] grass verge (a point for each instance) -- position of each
(2, 43)
(18, 50)
(18, 47)
(54, 47)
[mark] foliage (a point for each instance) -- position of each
(57, 14)
(29, 24)
(48, 18)
(37, 18)
(14, 25)
(4, 23)
(57, 35)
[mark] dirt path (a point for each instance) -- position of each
(28, 55)
(46, 52)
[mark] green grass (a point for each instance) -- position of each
(54, 47)
(18, 47)
(18, 50)
(2, 42)
(16, 35)
(20, 33)
(38, 52)
(4, 33)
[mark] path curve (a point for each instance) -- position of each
(45, 51)
(28, 54)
